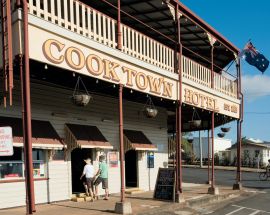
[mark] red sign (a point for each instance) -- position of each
(6, 141)
(113, 159)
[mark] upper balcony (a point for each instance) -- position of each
(149, 44)
(89, 22)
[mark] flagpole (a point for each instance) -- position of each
(234, 60)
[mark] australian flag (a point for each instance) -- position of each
(254, 57)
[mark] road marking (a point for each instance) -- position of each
(197, 197)
(255, 212)
(239, 209)
(251, 209)
(255, 191)
(150, 206)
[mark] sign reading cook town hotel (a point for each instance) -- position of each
(104, 68)
(103, 64)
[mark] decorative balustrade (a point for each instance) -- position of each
(84, 20)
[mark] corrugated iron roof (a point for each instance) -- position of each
(87, 135)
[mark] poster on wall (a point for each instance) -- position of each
(6, 141)
(113, 159)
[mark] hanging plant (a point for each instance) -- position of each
(80, 98)
(190, 138)
(196, 121)
(150, 110)
(221, 135)
(224, 128)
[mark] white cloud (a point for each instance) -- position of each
(255, 87)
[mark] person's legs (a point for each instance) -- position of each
(97, 182)
(105, 186)
(89, 186)
(86, 188)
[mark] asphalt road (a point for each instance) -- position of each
(255, 205)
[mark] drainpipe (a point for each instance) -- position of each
(212, 189)
(179, 196)
(119, 30)
(212, 151)
(208, 137)
(26, 116)
(238, 185)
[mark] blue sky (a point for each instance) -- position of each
(240, 21)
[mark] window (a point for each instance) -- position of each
(257, 153)
(58, 155)
(12, 167)
(38, 163)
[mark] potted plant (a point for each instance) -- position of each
(80, 98)
(225, 129)
(150, 110)
(221, 135)
(195, 121)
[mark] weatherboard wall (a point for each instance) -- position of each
(54, 104)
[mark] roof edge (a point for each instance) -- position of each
(203, 24)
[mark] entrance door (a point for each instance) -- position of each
(77, 163)
(131, 168)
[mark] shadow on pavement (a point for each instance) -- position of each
(82, 208)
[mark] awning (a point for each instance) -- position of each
(136, 140)
(85, 136)
(43, 134)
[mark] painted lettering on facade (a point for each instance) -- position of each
(230, 108)
(200, 100)
(106, 69)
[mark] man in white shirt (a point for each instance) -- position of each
(88, 172)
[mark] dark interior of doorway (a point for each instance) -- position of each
(77, 164)
(131, 168)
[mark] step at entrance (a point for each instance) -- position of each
(80, 197)
(133, 191)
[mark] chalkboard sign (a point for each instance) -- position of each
(165, 184)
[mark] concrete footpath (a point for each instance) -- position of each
(229, 168)
(143, 203)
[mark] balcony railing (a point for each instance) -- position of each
(84, 20)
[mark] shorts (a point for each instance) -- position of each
(104, 182)
(89, 182)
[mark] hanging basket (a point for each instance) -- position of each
(80, 98)
(150, 110)
(190, 140)
(221, 135)
(225, 129)
(196, 121)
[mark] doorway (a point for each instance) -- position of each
(131, 170)
(77, 163)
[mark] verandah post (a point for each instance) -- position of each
(122, 207)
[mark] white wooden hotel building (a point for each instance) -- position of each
(135, 45)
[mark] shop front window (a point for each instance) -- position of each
(38, 163)
(11, 167)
